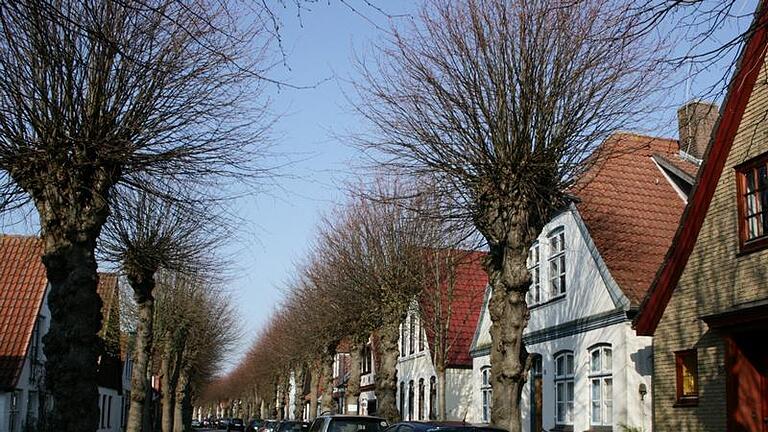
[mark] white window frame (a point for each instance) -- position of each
(601, 385)
(565, 382)
(534, 267)
(486, 393)
(557, 280)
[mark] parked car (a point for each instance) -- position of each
(254, 425)
(236, 424)
(222, 423)
(268, 426)
(292, 426)
(196, 423)
(348, 423)
(440, 427)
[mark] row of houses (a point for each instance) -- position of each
(24, 320)
(649, 296)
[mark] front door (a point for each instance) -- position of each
(536, 396)
(747, 382)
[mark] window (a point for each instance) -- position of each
(412, 335)
(422, 338)
(752, 186)
(410, 400)
(687, 377)
(432, 399)
(557, 262)
(103, 410)
(421, 399)
(534, 294)
(403, 338)
(486, 392)
(601, 384)
(367, 360)
(13, 412)
(564, 383)
(109, 412)
(402, 399)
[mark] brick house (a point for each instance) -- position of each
(708, 306)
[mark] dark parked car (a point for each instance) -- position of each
(222, 423)
(254, 425)
(196, 423)
(440, 427)
(236, 424)
(292, 426)
(268, 426)
(348, 423)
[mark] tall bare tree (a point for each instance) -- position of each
(99, 95)
(501, 102)
(146, 234)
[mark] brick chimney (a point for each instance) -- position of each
(695, 121)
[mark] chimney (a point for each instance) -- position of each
(695, 121)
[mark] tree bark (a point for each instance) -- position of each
(441, 408)
(72, 343)
(314, 384)
(386, 373)
(328, 405)
(510, 280)
(181, 398)
(353, 385)
(280, 400)
(299, 375)
(143, 286)
(166, 415)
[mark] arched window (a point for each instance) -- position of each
(421, 398)
(601, 384)
(410, 400)
(564, 383)
(487, 393)
(402, 399)
(432, 399)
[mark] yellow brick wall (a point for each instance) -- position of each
(715, 279)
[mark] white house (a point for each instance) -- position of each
(591, 266)
(417, 395)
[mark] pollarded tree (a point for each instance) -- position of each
(501, 102)
(144, 235)
(99, 95)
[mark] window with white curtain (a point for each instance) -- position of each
(486, 392)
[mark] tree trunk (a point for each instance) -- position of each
(280, 400)
(441, 409)
(328, 405)
(353, 385)
(166, 415)
(314, 384)
(142, 292)
(386, 373)
(299, 375)
(181, 397)
(72, 343)
(510, 280)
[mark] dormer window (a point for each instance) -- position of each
(534, 294)
(752, 186)
(557, 262)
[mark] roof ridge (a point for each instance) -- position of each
(641, 135)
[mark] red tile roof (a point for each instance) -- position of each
(466, 300)
(630, 208)
(107, 290)
(22, 287)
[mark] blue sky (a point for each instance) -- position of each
(279, 223)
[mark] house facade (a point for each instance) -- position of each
(461, 292)
(591, 266)
(708, 307)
